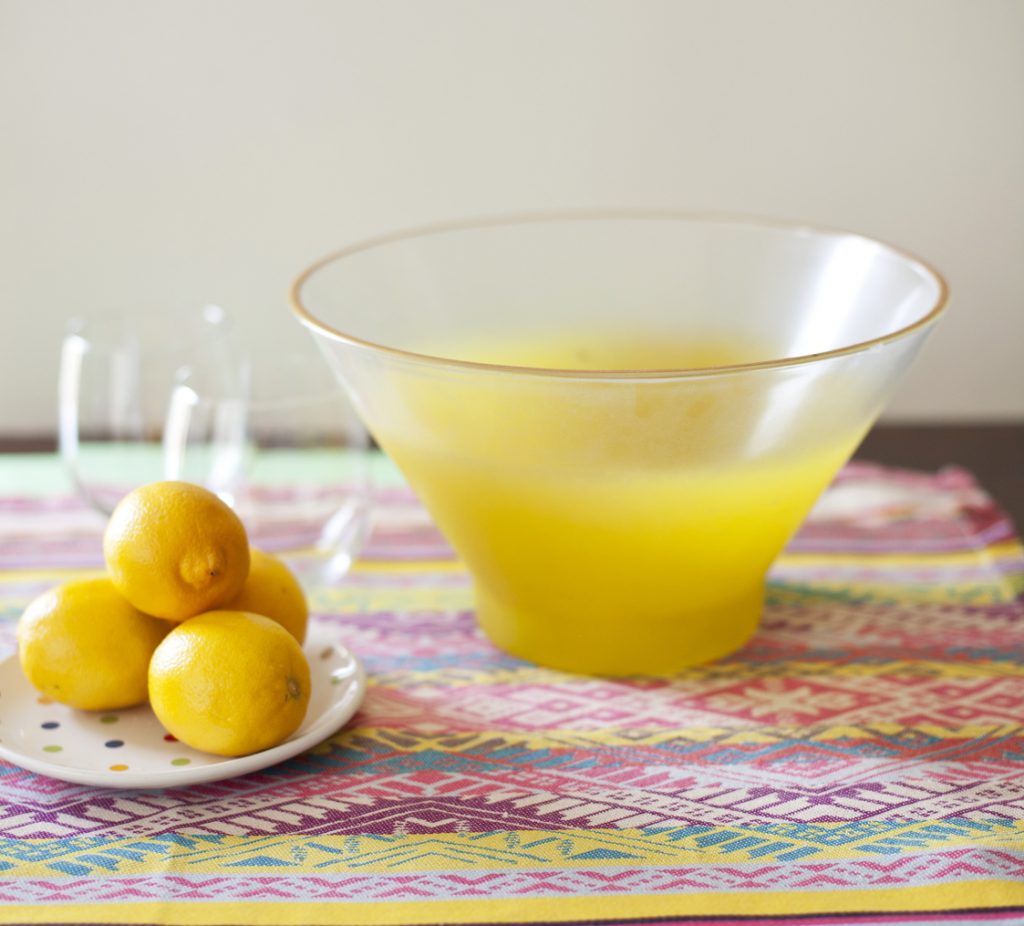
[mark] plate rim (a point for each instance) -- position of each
(333, 719)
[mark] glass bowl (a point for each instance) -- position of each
(619, 419)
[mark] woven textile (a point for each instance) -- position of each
(861, 760)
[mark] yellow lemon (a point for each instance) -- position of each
(230, 683)
(272, 590)
(83, 645)
(174, 550)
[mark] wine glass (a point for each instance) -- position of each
(123, 376)
(299, 482)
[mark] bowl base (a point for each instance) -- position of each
(633, 644)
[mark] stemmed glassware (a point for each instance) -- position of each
(123, 376)
(303, 488)
(274, 436)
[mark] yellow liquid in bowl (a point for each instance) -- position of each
(609, 528)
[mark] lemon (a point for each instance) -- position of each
(230, 683)
(272, 590)
(83, 645)
(174, 550)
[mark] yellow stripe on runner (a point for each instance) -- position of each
(989, 894)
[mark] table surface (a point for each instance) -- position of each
(860, 759)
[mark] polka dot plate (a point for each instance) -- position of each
(130, 749)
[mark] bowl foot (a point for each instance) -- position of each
(624, 644)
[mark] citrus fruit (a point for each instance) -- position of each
(272, 590)
(83, 645)
(174, 550)
(229, 682)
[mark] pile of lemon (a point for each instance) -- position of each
(188, 617)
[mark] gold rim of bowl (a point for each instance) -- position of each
(311, 321)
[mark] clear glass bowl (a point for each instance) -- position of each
(619, 419)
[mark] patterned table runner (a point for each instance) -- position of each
(861, 760)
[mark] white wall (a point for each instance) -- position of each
(168, 154)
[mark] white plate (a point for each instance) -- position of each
(130, 749)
